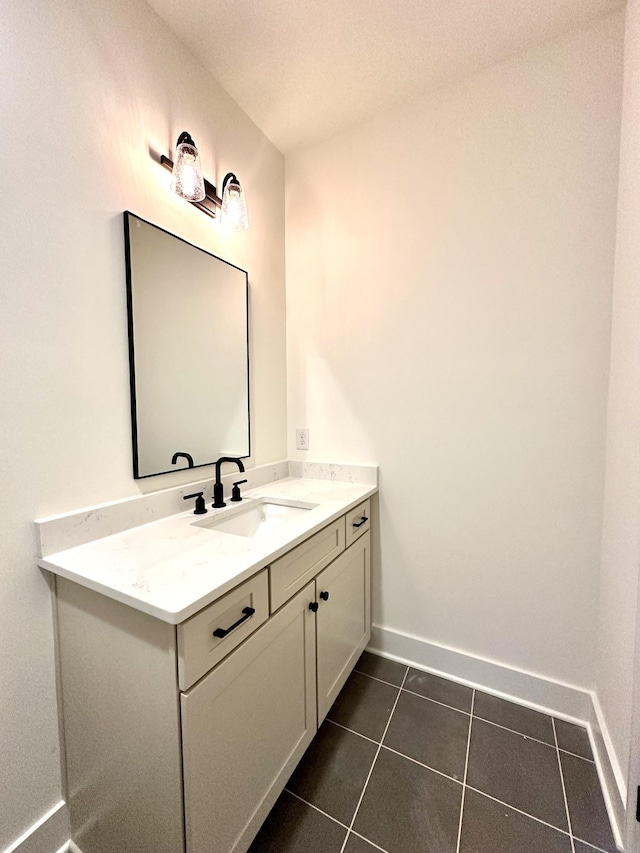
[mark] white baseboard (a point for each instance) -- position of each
(49, 833)
(535, 691)
(565, 701)
(609, 771)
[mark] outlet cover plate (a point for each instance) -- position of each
(302, 438)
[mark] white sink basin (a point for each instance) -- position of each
(257, 518)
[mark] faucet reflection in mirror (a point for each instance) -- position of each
(189, 183)
(186, 456)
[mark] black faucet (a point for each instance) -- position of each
(218, 491)
(186, 456)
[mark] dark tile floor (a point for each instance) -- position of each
(408, 762)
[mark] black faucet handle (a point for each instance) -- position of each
(235, 491)
(200, 507)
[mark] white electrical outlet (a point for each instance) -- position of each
(302, 438)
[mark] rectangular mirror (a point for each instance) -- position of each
(188, 352)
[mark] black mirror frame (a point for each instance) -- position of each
(130, 331)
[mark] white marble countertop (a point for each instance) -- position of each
(171, 568)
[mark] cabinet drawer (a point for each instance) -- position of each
(198, 647)
(291, 572)
(358, 521)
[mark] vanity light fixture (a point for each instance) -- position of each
(188, 180)
(234, 205)
(189, 183)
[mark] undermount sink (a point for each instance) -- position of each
(257, 518)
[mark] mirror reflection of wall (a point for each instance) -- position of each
(188, 347)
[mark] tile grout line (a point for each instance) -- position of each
(466, 768)
(315, 808)
(368, 840)
(413, 692)
(352, 731)
(516, 732)
(515, 809)
(373, 764)
(335, 820)
(564, 792)
(529, 737)
(381, 680)
(575, 755)
(435, 701)
(421, 764)
(591, 846)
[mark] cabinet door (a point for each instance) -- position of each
(343, 619)
(245, 727)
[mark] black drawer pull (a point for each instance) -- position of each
(222, 632)
(324, 595)
(313, 606)
(362, 521)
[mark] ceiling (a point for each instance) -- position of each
(305, 69)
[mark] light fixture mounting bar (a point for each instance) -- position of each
(211, 200)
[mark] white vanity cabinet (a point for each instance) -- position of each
(246, 725)
(179, 739)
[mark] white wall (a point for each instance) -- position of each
(621, 528)
(88, 88)
(449, 272)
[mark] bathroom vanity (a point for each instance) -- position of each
(196, 663)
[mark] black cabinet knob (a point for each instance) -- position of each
(324, 595)
(313, 606)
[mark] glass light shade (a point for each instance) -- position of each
(188, 180)
(234, 206)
